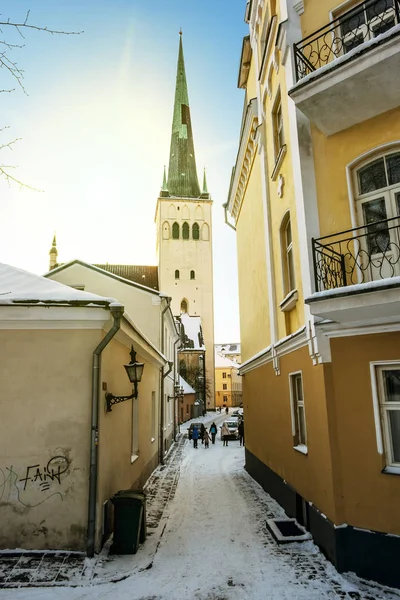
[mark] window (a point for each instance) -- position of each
(175, 231)
(192, 275)
(377, 187)
(185, 231)
(177, 274)
(225, 398)
(388, 380)
(289, 281)
(184, 308)
(298, 411)
(195, 231)
(224, 386)
(229, 375)
(365, 22)
(277, 125)
(223, 375)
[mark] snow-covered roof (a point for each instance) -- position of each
(193, 334)
(18, 286)
(187, 389)
(222, 362)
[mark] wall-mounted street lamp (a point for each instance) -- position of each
(134, 371)
(178, 393)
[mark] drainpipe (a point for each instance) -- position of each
(161, 437)
(175, 381)
(116, 312)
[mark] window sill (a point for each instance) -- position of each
(301, 448)
(134, 458)
(391, 471)
(289, 302)
(278, 162)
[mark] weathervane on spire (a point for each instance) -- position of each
(180, 31)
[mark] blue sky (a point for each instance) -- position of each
(95, 129)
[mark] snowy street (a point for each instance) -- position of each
(215, 545)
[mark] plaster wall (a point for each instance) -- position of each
(267, 413)
(333, 153)
(124, 463)
(44, 437)
(142, 306)
(371, 497)
(253, 305)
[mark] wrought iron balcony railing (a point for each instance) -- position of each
(351, 29)
(358, 255)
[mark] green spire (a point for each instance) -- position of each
(182, 174)
(205, 190)
(164, 188)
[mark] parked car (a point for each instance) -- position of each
(237, 413)
(190, 429)
(232, 425)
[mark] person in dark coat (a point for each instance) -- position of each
(241, 432)
(202, 430)
(213, 431)
(195, 436)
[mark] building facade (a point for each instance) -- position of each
(184, 229)
(228, 382)
(315, 199)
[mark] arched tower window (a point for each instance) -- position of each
(177, 274)
(198, 213)
(185, 212)
(184, 306)
(205, 232)
(175, 231)
(195, 231)
(185, 231)
(172, 211)
(192, 275)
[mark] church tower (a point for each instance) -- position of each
(184, 229)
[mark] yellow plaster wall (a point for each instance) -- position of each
(371, 498)
(253, 294)
(332, 154)
(266, 400)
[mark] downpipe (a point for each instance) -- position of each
(116, 312)
(162, 376)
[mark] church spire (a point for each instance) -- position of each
(182, 174)
(164, 187)
(53, 254)
(204, 193)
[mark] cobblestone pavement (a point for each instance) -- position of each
(308, 565)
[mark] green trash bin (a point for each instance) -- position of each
(128, 521)
(142, 494)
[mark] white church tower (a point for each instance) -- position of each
(184, 231)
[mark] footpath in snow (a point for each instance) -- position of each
(211, 543)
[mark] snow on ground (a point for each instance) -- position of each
(215, 546)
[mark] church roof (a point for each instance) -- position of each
(182, 173)
(142, 274)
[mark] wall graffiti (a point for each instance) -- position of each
(37, 478)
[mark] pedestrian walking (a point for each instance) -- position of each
(202, 430)
(206, 438)
(241, 432)
(227, 410)
(213, 431)
(195, 436)
(225, 433)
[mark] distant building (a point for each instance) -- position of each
(228, 382)
(231, 351)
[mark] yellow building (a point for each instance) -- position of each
(315, 200)
(228, 382)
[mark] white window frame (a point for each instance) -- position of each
(300, 447)
(381, 423)
(278, 128)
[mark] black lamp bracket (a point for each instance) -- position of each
(111, 399)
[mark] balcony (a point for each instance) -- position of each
(357, 274)
(347, 71)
